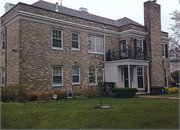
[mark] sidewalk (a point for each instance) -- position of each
(156, 96)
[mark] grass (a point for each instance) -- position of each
(128, 113)
(168, 95)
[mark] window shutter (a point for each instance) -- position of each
(135, 47)
(144, 48)
(166, 49)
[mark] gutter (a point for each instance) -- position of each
(2, 21)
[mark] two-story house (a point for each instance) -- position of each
(46, 45)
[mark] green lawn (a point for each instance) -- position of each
(168, 95)
(129, 113)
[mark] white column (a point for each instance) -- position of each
(148, 79)
(129, 76)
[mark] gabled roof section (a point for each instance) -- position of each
(85, 15)
(126, 21)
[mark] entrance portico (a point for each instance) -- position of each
(128, 73)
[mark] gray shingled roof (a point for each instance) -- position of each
(85, 15)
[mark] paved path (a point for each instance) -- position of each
(157, 96)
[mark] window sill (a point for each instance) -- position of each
(57, 85)
(57, 48)
(76, 84)
(93, 84)
(95, 53)
(74, 49)
(3, 50)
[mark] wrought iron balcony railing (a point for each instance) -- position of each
(125, 54)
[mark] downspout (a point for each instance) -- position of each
(2, 21)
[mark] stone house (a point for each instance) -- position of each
(50, 46)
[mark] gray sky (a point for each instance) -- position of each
(114, 9)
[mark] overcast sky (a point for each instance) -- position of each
(114, 9)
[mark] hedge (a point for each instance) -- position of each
(156, 90)
(124, 92)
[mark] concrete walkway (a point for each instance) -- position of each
(156, 96)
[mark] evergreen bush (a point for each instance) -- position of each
(124, 92)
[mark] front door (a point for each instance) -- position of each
(126, 82)
(140, 77)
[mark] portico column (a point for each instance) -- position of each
(129, 76)
(148, 79)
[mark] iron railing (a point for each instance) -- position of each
(125, 54)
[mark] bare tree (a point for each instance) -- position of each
(175, 37)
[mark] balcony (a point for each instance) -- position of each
(125, 54)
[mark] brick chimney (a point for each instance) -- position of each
(152, 21)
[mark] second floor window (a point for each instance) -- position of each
(75, 41)
(95, 44)
(3, 41)
(57, 39)
(163, 50)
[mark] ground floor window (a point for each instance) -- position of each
(2, 76)
(76, 75)
(140, 77)
(57, 76)
(165, 76)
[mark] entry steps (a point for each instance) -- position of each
(141, 92)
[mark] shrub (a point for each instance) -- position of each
(33, 96)
(13, 93)
(61, 94)
(124, 92)
(156, 90)
(106, 87)
(175, 76)
(81, 97)
(46, 95)
(172, 90)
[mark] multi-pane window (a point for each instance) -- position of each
(95, 44)
(57, 39)
(3, 41)
(75, 41)
(140, 77)
(2, 76)
(92, 76)
(123, 48)
(139, 46)
(57, 76)
(76, 75)
(163, 50)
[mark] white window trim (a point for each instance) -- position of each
(164, 51)
(2, 40)
(2, 76)
(140, 75)
(75, 49)
(95, 52)
(59, 75)
(91, 84)
(57, 48)
(76, 83)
